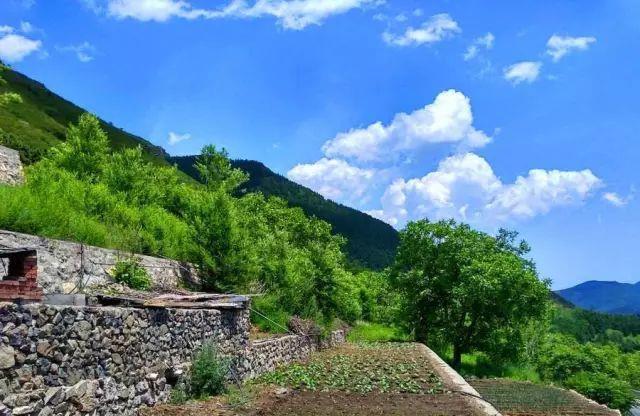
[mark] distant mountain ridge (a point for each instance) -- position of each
(370, 242)
(605, 296)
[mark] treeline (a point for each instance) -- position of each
(370, 243)
(84, 191)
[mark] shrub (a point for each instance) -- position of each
(132, 274)
(604, 389)
(209, 371)
(370, 332)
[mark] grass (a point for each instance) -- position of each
(371, 332)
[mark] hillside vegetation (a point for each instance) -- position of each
(370, 242)
(39, 121)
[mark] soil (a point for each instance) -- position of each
(366, 380)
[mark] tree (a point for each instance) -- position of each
(216, 171)
(467, 289)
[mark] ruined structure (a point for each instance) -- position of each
(20, 273)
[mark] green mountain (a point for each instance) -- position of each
(40, 121)
(370, 242)
(605, 296)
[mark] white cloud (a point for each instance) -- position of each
(6, 29)
(290, 14)
(333, 178)
(465, 186)
(175, 138)
(26, 27)
(447, 120)
(526, 71)
(559, 46)
(83, 51)
(616, 199)
(14, 48)
(437, 28)
(483, 42)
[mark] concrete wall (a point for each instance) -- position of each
(63, 265)
(10, 167)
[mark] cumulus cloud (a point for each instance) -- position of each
(6, 29)
(465, 186)
(526, 71)
(559, 46)
(483, 42)
(296, 14)
(175, 138)
(83, 51)
(14, 48)
(447, 120)
(437, 28)
(616, 199)
(333, 178)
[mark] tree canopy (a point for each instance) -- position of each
(467, 289)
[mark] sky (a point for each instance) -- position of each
(521, 115)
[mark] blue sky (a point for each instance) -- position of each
(499, 113)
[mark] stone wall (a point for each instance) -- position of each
(10, 167)
(267, 355)
(64, 266)
(102, 360)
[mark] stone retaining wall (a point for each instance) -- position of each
(75, 360)
(69, 360)
(266, 355)
(64, 266)
(10, 167)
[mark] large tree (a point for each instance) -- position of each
(467, 289)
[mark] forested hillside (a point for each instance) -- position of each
(605, 296)
(370, 242)
(40, 120)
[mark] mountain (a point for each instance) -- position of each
(370, 242)
(40, 122)
(604, 296)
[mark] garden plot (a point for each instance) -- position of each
(517, 398)
(355, 379)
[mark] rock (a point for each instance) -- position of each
(54, 396)
(83, 395)
(46, 411)
(7, 357)
(24, 410)
(43, 348)
(82, 329)
(281, 392)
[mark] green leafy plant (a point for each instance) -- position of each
(209, 371)
(132, 274)
(604, 389)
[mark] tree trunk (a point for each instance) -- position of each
(457, 358)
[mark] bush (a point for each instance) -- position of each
(208, 373)
(132, 274)
(603, 389)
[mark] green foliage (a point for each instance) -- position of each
(208, 372)
(467, 289)
(372, 332)
(604, 389)
(370, 242)
(84, 191)
(271, 315)
(132, 274)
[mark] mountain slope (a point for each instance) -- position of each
(40, 121)
(370, 242)
(602, 296)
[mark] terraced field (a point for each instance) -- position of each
(358, 380)
(516, 398)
